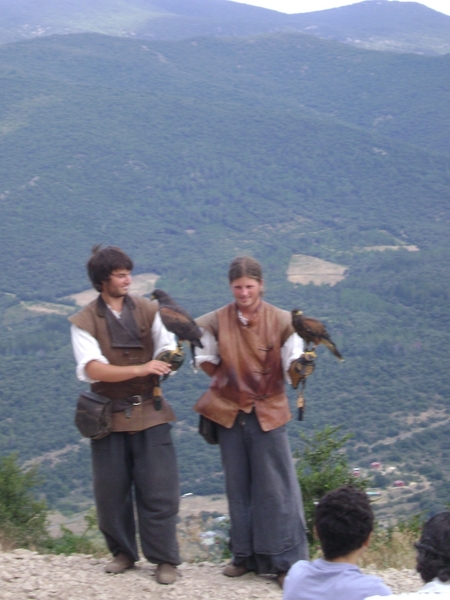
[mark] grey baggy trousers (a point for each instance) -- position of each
(268, 530)
(146, 463)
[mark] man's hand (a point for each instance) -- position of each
(156, 367)
(209, 368)
(302, 367)
(174, 358)
(98, 371)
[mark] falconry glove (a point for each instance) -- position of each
(302, 368)
(175, 358)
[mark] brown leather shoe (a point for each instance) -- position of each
(119, 564)
(166, 574)
(280, 579)
(234, 570)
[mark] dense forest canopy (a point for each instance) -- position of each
(188, 153)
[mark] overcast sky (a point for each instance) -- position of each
(299, 6)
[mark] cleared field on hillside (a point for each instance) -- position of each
(142, 284)
(306, 269)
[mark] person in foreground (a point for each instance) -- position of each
(249, 347)
(433, 557)
(118, 342)
(343, 523)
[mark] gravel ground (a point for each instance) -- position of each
(25, 575)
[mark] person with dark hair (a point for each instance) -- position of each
(433, 558)
(343, 523)
(122, 348)
(249, 347)
(104, 261)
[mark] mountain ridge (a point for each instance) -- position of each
(392, 26)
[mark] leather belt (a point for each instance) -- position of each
(136, 400)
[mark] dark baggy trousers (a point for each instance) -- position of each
(266, 508)
(144, 461)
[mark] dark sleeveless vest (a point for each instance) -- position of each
(126, 341)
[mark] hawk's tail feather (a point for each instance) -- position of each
(331, 346)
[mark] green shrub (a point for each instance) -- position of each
(84, 543)
(393, 546)
(23, 518)
(322, 467)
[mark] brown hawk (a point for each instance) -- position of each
(178, 321)
(313, 332)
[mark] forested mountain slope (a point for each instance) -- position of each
(189, 153)
(381, 25)
(115, 126)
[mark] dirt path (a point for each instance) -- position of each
(26, 575)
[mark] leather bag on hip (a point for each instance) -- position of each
(93, 415)
(208, 430)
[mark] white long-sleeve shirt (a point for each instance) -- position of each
(86, 348)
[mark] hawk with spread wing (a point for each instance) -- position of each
(313, 332)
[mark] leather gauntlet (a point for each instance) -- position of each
(302, 367)
(175, 358)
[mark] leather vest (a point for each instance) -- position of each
(250, 374)
(93, 319)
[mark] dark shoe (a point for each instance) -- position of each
(166, 574)
(234, 570)
(280, 579)
(119, 564)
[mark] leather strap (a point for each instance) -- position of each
(124, 403)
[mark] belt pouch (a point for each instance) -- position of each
(93, 415)
(208, 430)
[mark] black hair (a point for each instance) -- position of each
(433, 549)
(344, 521)
(103, 261)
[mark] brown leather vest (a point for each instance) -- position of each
(93, 320)
(250, 374)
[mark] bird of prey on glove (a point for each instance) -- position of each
(178, 321)
(313, 332)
